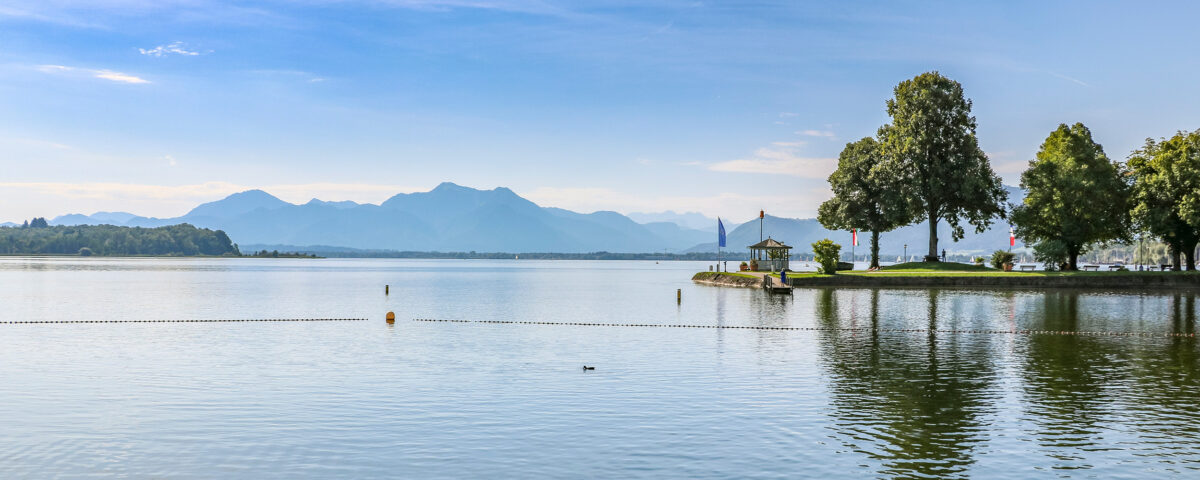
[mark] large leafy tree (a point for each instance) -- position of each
(865, 197)
(1166, 193)
(934, 155)
(1075, 196)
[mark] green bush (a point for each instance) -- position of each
(826, 253)
(1052, 253)
(1001, 257)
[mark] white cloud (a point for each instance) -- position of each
(175, 48)
(119, 77)
(780, 159)
(93, 73)
(816, 133)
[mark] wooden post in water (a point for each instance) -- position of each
(678, 295)
(386, 288)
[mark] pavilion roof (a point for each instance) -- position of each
(769, 243)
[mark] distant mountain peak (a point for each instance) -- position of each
(238, 204)
(449, 187)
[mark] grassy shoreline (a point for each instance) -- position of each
(923, 275)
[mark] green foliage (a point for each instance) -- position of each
(180, 239)
(1001, 257)
(826, 254)
(39, 222)
(1052, 253)
(1165, 196)
(1075, 196)
(277, 254)
(932, 153)
(865, 197)
(978, 260)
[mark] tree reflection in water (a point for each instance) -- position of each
(912, 401)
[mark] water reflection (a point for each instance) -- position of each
(926, 404)
(1067, 380)
(914, 402)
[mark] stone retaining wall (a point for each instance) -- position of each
(1109, 281)
(715, 278)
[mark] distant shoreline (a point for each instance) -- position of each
(344, 252)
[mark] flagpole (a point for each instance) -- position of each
(853, 243)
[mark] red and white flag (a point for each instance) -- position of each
(1012, 237)
(854, 237)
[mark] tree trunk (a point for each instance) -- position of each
(1174, 252)
(1073, 259)
(874, 250)
(932, 256)
(1189, 253)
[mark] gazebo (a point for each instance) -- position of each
(771, 251)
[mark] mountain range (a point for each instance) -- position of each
(453, 218)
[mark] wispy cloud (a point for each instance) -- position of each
(23, 199)
(175, 48)
(780, 158)
(816, 133)
(103, 74)
(1069, 79)
(208, 190)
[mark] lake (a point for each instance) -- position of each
(867, 387)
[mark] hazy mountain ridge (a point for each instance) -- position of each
(448, 218)
(692, 220)
(456, 218)
(801, 233)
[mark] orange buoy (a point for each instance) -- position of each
(391, 317)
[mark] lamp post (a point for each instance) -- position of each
(905, 259)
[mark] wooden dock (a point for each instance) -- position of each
(775, 285)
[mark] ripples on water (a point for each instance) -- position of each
(361, 399)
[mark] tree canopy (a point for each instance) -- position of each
(182, 239)
(933, 154)
(1166, 193)
(864, 197)
(1075, 196)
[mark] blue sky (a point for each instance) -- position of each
(717, 107)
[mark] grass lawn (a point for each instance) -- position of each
(936, 267)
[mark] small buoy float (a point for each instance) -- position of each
(391, 317)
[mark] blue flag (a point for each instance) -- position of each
(720, 233)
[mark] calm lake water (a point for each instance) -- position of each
(453, 400)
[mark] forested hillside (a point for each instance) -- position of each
(182, 239)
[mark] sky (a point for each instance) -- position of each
(722, 108)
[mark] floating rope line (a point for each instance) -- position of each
(224, 320)
(831, 329)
